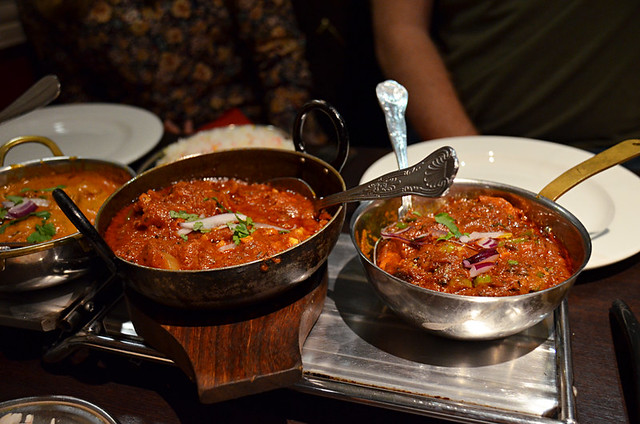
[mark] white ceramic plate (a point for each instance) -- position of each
(92, 130)
(606, 204)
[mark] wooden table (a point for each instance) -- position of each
(136, 391)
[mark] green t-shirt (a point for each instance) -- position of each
(559, 70)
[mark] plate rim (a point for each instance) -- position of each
(139, 119)
(601, 254)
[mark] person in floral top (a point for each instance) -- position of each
(188, 61)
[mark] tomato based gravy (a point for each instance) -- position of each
(478, 246)
(29, 214)
(211, 223)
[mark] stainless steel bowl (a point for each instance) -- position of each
(470, 317)
(56, 261)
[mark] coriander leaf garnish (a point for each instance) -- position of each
(218, 203)
(189, 217)
(43, 232)
(242, 229)
(15, 199)
(41, 214)
(61, 186)
(199, 226)
(446, 220)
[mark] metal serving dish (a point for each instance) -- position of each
(57, 261)
(471, 317)
(240, 285)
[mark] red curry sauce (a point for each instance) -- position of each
(481, 246)
(211, 223)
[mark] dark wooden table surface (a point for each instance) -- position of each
(135, 391)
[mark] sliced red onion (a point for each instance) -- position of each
(487, 243)
(184, 231)
(388, 232)
(395, 236)
(479, 268)
(417, 240)
(8, 204)
(22, 209)
(227, 247)
(43, 203)
(222, 220)
(215, 221)
(275, 227)
(475, 235)
(486, 255)
(261, 225)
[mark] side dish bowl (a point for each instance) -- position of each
(53, 262)
(470, 317)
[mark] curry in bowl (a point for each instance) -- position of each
(28, 213)
(211, 223)
(475, 246)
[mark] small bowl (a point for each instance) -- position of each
(470, 317)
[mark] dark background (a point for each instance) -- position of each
(339, 49)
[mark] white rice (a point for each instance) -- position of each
(227, 138)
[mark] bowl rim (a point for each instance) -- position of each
(529, 195)
(303, 156)
(58, 161)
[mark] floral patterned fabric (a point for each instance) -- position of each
(181, 59)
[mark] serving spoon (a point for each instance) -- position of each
(431, 177)
(393, 99)
(43, 92)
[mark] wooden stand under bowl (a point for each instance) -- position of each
(230, 354)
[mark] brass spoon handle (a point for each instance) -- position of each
(621, 152)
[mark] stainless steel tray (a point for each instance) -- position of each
(360, 351)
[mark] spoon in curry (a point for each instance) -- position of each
(431, 177)
(393, 99)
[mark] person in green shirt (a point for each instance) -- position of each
(562, 71)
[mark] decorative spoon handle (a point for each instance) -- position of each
(431, 177)
(393, 99)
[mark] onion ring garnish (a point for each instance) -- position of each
(388, 232)
(487, 243)
(476, 235)
(21, 209)
(214, 221)
(477, 269)
(486, 255)
(221, 220)
(43, 203)
(481, 262)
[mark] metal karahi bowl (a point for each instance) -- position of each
(248, 283)
(470, 317)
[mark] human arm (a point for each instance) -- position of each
(407, 54)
